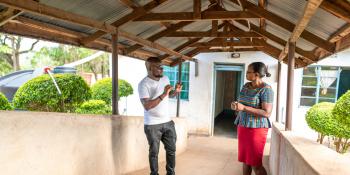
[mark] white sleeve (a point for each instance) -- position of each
(143, 91)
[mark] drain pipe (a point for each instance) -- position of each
(47, 70)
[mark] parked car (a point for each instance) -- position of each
(10, 83)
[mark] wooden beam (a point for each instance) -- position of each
(274, 52)
(130, 3)
(262, 4)
(189, 16)
(8, 14)
(307, 54)
(197, 9)
(189, 43)
(309, 10)
(343, 31)
(181, 47)
(150, 44)
(31, 28)
(342, 44)
(337, 10)
(133, 15)
(231, 34)
(214, 27)
(190, 54)
(229, 50)
(52, 12)
(255, 43)
(289, 26)
(163, 33)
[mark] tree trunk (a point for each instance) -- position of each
(102, 68)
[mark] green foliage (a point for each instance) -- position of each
(55, 56)
(94, 107)
(341, 110)
(40, 94)
(319, 118)
(4, 103)
(102, 90)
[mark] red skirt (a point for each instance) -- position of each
(251, 143)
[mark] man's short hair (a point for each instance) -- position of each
(153, 60)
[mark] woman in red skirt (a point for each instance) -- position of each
(254, 109)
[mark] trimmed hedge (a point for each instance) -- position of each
(4, 103)
(319, 118)
(40, 93)
(341, 110)
(102, 90)
(94, 107)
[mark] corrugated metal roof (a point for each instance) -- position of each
(322, 24)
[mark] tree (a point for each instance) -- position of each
(64, 54)
(10, 51)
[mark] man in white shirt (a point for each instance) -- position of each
(154, 91)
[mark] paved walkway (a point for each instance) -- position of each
(205, 156)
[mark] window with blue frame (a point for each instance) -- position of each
(319, 84)
(172, 74)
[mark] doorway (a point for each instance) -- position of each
(228, 80)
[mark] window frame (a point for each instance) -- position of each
(174, 71)
(317, 97)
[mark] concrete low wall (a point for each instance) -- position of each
(33, 143)
(294, 155)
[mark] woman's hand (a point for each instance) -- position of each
(237, 106)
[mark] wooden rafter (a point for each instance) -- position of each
(254, 43)
(231, 34)
(229, 50)
(189, 43)
(130, 3)
(343, 31)
(8, 14)
(308, 36)
(181, 47)
(197, 9)
(274, 52)
(150, 44)
(52, 12)
(309, 10)
(189, 16)
(133, 15)
(163, 33)
(337, 10)
(31, 28)
(262, 4)
(40, 9)
(214, 27)
(308, 55)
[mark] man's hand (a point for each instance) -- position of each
(178, 87)
(167, 90)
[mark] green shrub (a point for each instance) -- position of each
(102, 90)
(94, 107)
(4, 103)
(40, 93)
(319, 118)
(341, 110)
